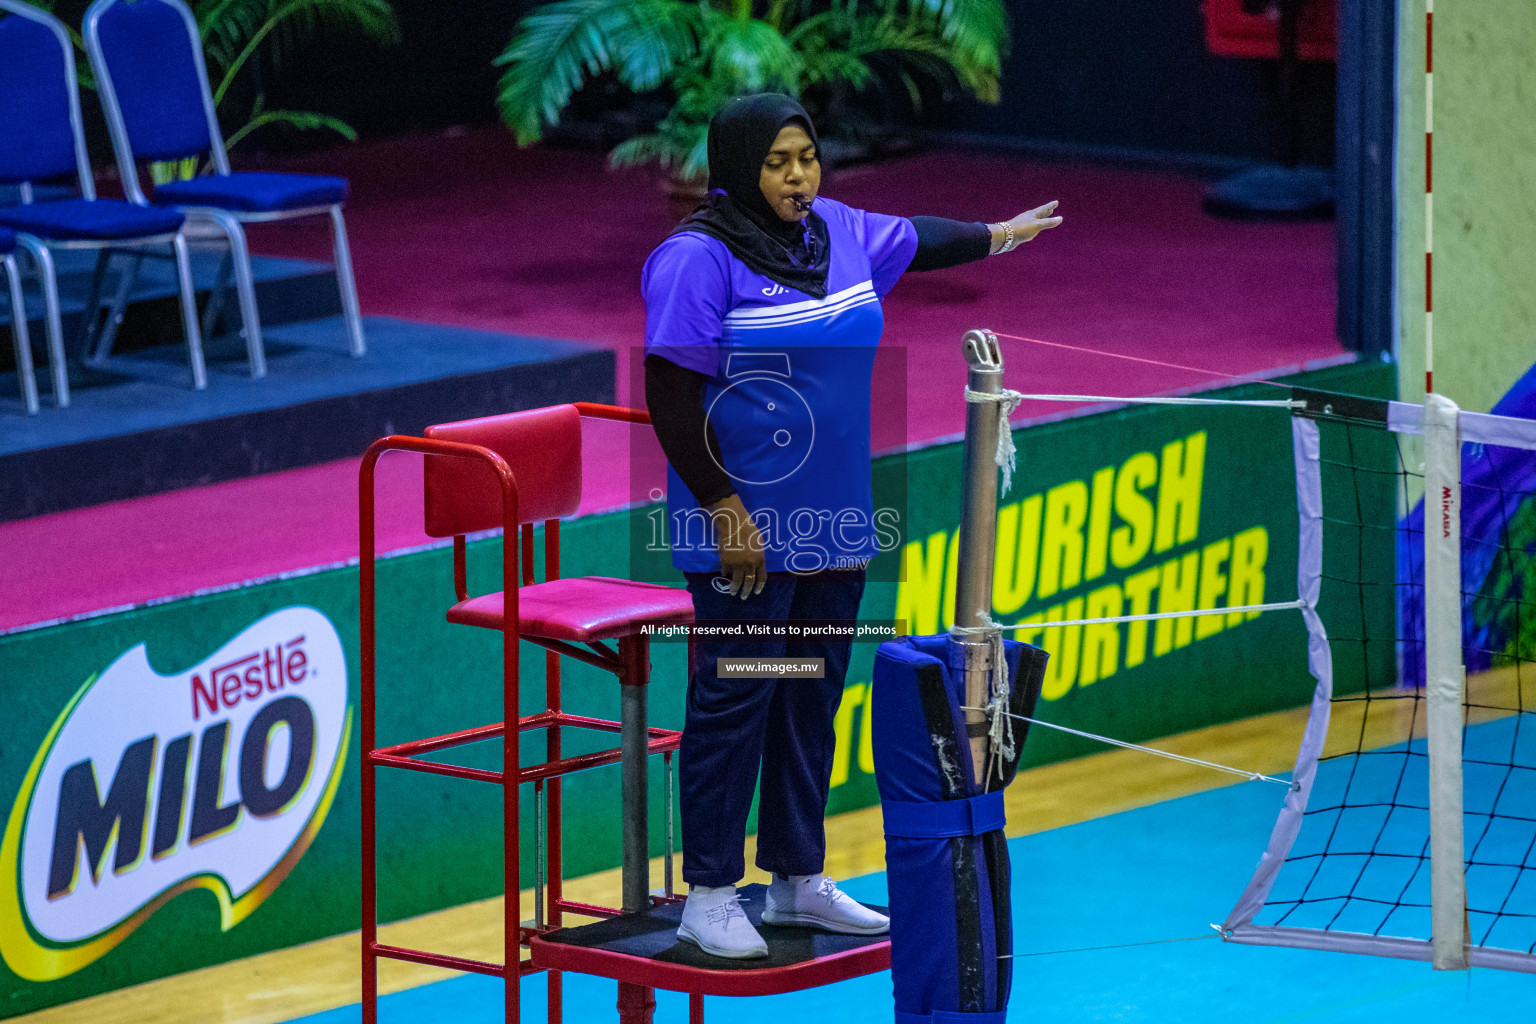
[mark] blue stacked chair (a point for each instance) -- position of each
(19, 335)
(42, 139)
(149, 67)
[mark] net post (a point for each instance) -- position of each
(1445, 680)
(978, 538)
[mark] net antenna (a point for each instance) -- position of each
(1405, 753)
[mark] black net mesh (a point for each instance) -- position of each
(1361, 860)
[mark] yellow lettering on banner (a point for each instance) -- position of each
(1213, 583)
(842, 726)
(1018, 544)
(1176, 592)
(1130, 543)
(1099, 508)
(1250, 550)
(922, 583)
(1101, 641)
(1061, 548)
(951, 581)
(1138, 594)
(1178, 491)
(1064, 644)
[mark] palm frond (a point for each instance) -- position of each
(679, 148)
(830, 65)
(557, 47)
(657, 37)
(233, 30)
(228, 26)
(751, 55)
(978, 29)
(304, 120)
(916, 47)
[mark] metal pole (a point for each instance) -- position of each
(666, 857)
(367, 628)
(538, 855)
(634, 745)
(978, 539)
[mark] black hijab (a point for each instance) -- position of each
(794, 254)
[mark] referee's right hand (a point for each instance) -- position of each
(741, 547)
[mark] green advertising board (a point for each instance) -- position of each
(182, 778)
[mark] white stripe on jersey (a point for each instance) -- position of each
(802, 312)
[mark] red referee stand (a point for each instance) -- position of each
(513, 471)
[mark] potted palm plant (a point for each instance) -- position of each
(703, 52)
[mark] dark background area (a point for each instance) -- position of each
(1089, 75)
(1132, 75)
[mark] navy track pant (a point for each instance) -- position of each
(735, 725)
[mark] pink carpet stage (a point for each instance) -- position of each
(466, 230)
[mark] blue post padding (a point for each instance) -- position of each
(901, 728)
(946, 818)
(951, 1017)
(946, 861)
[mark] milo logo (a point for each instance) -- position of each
(148, 785)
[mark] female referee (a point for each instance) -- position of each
(762, 317)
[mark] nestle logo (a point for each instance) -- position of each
(263, 671)
(132, 802)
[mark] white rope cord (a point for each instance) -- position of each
(999, 722)
(1122, 945)
(1251, 776)
(1150, 616)
(1282, 403)
(1006, 401)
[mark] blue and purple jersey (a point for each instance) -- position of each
(788, 392)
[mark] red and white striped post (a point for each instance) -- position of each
(1429, 195)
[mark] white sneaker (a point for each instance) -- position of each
(815, 900)
(714, 921)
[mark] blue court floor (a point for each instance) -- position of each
(1099, 908)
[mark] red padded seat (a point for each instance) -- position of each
(582, 609)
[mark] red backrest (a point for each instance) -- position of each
(543, 447)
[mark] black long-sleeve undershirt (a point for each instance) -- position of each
(675, 395)
(948, 243)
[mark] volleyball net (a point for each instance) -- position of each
(1409, 825)
(1410, 828)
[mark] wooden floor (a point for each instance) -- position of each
(280, 986)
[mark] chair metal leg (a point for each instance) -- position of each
(93, 302)
(20, 337)
(97, 353)
(245, 288)
(216, 297)
(189, 311)
(350, 310)
(42, 259)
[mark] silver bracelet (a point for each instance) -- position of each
(1008, 238)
